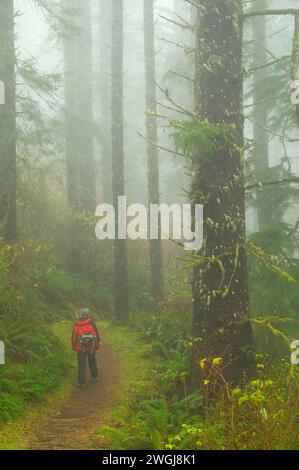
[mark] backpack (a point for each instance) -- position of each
(86, 337)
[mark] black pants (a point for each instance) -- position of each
(82, 357)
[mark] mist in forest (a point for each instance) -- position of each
(149, 247)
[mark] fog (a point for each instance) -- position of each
(149, 196)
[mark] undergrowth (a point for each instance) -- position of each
(35, 292)
(159, 410)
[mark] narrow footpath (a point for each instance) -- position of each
(73, 427)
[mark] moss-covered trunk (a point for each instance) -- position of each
(220, 291)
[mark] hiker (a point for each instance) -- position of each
(86, 341)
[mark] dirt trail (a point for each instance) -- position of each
(74, 426)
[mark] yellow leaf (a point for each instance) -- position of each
(202, 363)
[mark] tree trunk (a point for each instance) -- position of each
(71, 140)
(105, 18)
(118, 182)
(220, 290)
(260, 136)
(155, 247)
(8, 218)
(85, 108)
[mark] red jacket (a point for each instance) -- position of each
(78, 329)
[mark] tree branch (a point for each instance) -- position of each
(176, 105)
(261, 185)
(160, 147)
(267, 64)
(178, 74)
(271, 12)
(180, 25)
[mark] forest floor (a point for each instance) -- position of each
(73, 426)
